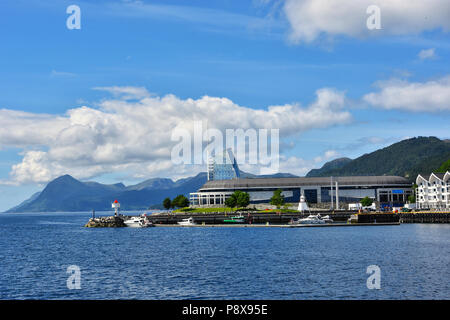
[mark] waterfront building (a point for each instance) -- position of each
(433, 191)
(388, 191)
(223, 166)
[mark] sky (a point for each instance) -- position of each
(101, 102)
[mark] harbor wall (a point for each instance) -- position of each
(275, 218)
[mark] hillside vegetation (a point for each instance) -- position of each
(406, 158)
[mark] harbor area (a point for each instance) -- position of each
(266, 218)
(267, 225)
(247, 219)
(272, 219)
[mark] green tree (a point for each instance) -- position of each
(167, 203)
(180, 201)
(243, 199)
(238, 199)
(230, 202)
(445, 166)
(277, 198)
(366, 202)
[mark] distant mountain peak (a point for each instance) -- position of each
(65, 177)
(329, 166)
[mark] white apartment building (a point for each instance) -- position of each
(433, 191)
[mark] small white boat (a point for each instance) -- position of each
(311, 219)
(138, 222)
(187, 222)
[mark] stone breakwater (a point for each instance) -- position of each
(105, 222)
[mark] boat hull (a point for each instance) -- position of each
(311, 222)
(186, 224)
(138, 224)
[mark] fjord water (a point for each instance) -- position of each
(219, 263)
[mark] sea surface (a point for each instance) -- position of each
(219, 263)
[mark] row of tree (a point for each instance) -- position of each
(179, 201)
(241, 199)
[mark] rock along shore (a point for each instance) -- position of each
(105, 222)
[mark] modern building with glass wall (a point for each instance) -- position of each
(433, 191)
(388, 191)
(223, 166)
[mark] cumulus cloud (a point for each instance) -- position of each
(134, 136)
(431, 96)
(300, 166)
(20, 129)
(427, 54)
(309, 19)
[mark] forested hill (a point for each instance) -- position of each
(406, 158)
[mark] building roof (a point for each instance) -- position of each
(427, 176)
(304, 181)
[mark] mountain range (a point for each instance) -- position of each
(406, 158)
(65, 194)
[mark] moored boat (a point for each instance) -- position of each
(187, 222)
(138, 222)
(236, 219)
(311, 219)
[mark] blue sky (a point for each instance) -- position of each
(249, 52)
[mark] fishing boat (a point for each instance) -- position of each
(236, 219)
(187, 222)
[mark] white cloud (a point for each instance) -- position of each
(134, 136)
(126, 93)
(20, 129)
(34, 167)
(431, 96)
(309, 19)
(301, 167)
(427, 54)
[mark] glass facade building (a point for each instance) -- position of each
(223, 167)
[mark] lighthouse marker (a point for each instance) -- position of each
(116, 206)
